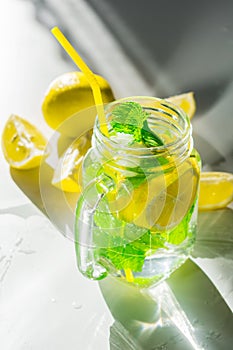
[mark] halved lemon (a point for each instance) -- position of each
(67, 174)
(216, 190)
(69, 94)
(186, 102)
(23, 144)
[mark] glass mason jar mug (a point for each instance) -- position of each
(137, 214)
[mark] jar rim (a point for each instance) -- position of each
(185, 134)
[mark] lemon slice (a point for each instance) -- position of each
(67, 174)
(186, 102)
(69, 94)
(180, 194)
(216, 190)
(23, 144)
(159, 203)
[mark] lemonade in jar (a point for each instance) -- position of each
(137, 214)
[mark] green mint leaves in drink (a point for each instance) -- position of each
(126, 244)
(131, 118)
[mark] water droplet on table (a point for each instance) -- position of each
(76, 305)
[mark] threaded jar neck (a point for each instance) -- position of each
(166, 120)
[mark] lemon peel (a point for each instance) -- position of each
(216, 190)
(71, 93)
(68, 171)
(186, 102)
(162, 202)
(23, 144)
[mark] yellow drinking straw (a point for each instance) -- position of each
(96, 93)
(88, 74)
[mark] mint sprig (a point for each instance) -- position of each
(125, 248)
(132, 255)
(130, 118)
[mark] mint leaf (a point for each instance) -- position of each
(150, 241)
(126, 256)
(181, 231)
(136, 181)
(115, 231)
(130, 118)
(125, 245)
(149, 138)
(106, 220)
(132, 255)
(112, 236)
(130, 114)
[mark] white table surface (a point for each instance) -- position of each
(45, 303)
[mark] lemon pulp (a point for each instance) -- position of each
(22, 143)
(186, 102)
(67, 175)
(159, 203)
(216, 190)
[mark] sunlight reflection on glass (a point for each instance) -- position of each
(168, 303)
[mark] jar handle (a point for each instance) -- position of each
(87, 205)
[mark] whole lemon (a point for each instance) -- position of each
(70, 94)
